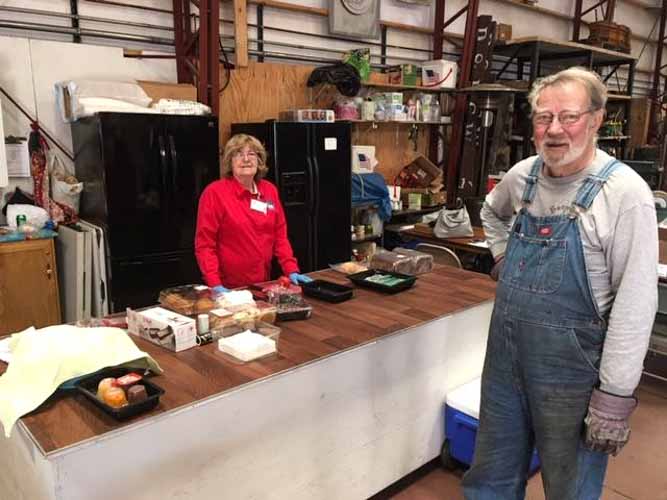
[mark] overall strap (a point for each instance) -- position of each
(531, 182)
(593, 184)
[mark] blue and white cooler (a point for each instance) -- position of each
(461, 424)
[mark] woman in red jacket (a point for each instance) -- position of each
(241, 224)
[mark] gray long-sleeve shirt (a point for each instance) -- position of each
(620, 241)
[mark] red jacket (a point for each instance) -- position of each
(234, 243)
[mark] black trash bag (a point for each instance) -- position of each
(18, 197)
(344, 76)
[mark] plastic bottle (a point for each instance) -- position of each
(435, 111)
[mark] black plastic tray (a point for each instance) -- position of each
(88, 387)
(327, 291)
(359, 279)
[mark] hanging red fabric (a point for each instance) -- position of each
(58, 212)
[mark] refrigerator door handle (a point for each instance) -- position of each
(163, 165)
(316, 210)
(174, 163)
(310, 194)
(316, 184)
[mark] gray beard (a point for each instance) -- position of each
(573, 154)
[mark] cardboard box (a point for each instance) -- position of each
(163, 327)
(410, 73)
(377, 78)
(430, 197)
(419, 173)
(503, 31)
(392, 98)
(166, 90)
(394, 75)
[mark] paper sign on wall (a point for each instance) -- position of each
(330, 144)
(18, 160)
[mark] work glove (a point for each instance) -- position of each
(497, 268)
(219, 290)
(297, 278)
(607, 428)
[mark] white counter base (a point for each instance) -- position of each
(343, 427)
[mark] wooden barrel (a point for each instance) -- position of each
(610, 36)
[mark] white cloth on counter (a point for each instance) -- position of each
(85, 97)
(45, 358)
(181, 107)
(5, 350)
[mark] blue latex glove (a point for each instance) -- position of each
(218, 290)
(297, 278)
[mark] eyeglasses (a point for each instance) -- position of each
(250, 155)
(565, 118)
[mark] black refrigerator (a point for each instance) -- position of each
(311, 165)
(143, 175)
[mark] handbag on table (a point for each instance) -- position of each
(453, 223)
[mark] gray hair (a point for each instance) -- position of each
(595, 87)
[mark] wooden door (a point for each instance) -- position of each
(28, 285)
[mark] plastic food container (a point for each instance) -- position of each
(327, 291)
(294, 311)
(266, 329)
(390, 261)
(383, 281)
(421, 262)
(188, 300)
(87, 386)
(278, 294)
(350, 267)
(262, 311)
(230, 341)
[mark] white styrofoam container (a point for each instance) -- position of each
(439, 74)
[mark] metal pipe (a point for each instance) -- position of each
(33, 120)
(48, 28)
(39, 12)
(260, 30)
(74, 8)
(132, 6)
(76, 16)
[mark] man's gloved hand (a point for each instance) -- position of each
(219, 290)
(607, 428)
(297, 278)
(497, 268)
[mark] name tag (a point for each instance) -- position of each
(259, 206)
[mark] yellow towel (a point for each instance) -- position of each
(45, 358)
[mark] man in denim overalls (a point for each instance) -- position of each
(576, 299)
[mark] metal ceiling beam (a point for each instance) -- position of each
(198, 51)
(579, 13)
(656, 97)
(467, 54)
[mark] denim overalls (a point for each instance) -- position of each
(544, 347)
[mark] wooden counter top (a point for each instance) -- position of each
(202, 372)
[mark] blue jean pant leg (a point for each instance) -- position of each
(504, 444)
(558, 383)
(591, 466)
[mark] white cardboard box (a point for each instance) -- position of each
(163, 327)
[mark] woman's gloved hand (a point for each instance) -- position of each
(297, 278)
(607, 428)
(219, 290)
